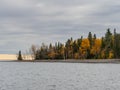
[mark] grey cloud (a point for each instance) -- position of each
(26, 22)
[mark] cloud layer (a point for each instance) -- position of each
(26, 22)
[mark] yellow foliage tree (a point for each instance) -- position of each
(111, 54)
(62, 51)
(85, 45)
(96, 47)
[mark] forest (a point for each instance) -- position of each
(106, 47)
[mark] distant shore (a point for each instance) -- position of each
(8, 57)
(70, 61)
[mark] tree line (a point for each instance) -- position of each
(106, 47)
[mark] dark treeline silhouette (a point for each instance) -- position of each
(107, 47)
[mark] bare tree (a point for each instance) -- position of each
(33, 51)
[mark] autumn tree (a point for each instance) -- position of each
(51, 52)
(62, 51)
(85, 46)
(95, 51)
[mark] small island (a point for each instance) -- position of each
(90, 49)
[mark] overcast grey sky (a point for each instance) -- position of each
(27, 22)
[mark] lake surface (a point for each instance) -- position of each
(59, 76)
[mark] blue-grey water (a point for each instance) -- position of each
(59, 76)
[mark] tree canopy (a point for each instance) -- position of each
(106, 47)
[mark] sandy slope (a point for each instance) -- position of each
(8, 57)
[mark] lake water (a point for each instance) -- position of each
(59, 76)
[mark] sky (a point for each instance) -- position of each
(27, 22)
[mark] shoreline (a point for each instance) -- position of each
(70, 61)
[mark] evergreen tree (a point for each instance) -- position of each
(108, 43)
(19, 56)
(90, 39)
(69, 49)
(94, 36)
(117, 45)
